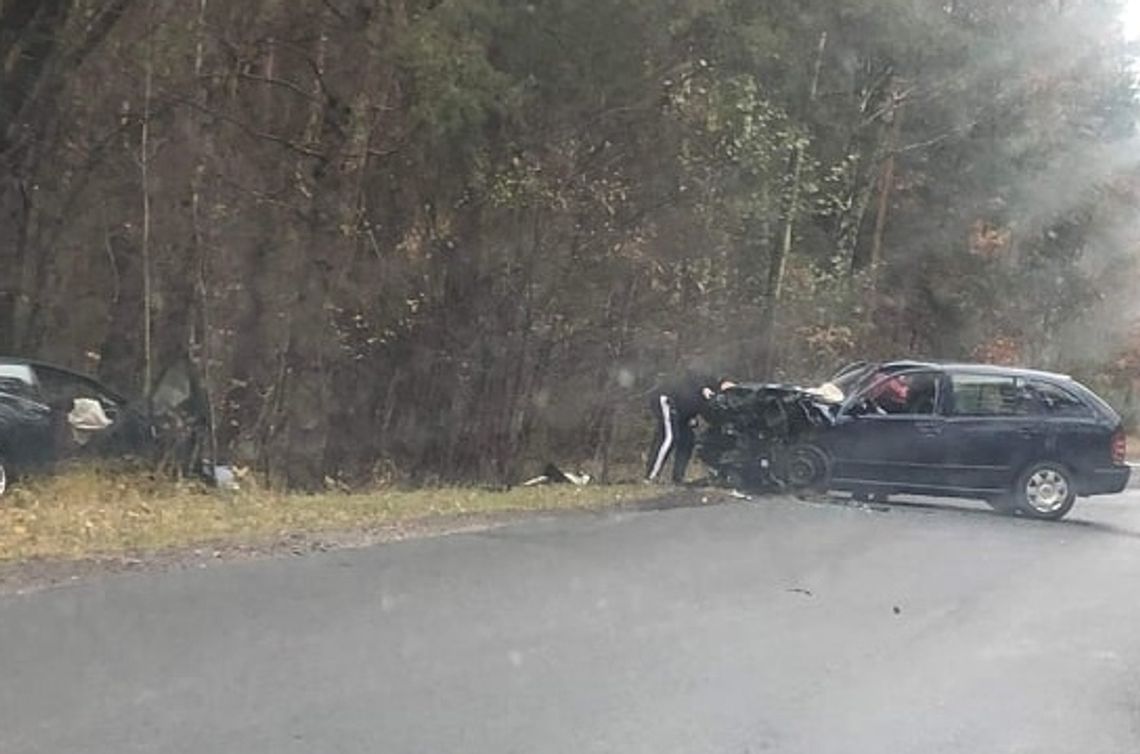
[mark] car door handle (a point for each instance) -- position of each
(929, 429)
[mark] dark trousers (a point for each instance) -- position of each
(674, 436)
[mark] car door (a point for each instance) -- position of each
(72, 433)
(990, 431)
(893, 443)
(1070, 430)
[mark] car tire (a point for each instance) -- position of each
(1045, 491)
(808, 468)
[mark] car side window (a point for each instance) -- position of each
(61, 388)
(909, 394)
(984, 395)
(1045, 398)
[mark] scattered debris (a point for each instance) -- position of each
(554, 475)
(224, 478)
(844, 502)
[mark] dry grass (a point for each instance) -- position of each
(87, 512)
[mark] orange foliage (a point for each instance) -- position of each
(988, 240)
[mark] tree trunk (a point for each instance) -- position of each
(144, 169)
(779, 261)
(325, 263)
(886, 187)
(204, 353)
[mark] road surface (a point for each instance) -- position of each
(776, 626)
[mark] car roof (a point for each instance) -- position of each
(975, 368)
(14, 361)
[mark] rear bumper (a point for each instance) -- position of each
(1106, 481)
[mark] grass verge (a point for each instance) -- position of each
(88, 513)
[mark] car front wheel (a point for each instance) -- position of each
(808, 468)
(1045, 491)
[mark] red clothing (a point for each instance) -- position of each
(892, 391)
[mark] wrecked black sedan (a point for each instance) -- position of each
(49, 414)
(1022, 440)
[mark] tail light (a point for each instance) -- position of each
(1119, 447)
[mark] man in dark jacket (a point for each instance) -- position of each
(675, 408)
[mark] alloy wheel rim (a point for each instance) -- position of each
(1047, 490)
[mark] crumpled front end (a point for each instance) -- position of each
(757, 434)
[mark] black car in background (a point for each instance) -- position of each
(49, 414)
(1020, 439)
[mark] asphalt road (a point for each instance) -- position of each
(767, 626)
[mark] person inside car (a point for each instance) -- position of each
(889, 395)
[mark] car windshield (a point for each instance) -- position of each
(847, 382)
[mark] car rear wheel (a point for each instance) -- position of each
(1045, 491)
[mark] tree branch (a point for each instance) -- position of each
(302, 149)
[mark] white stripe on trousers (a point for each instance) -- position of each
(667, 443)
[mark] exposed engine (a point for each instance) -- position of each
(760, 436)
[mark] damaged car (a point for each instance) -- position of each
(1024, 441)
(49, 414)
(764, 436)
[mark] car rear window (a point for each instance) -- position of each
(18, 379)
(984, 395)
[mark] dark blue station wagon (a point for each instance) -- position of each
(1022, 440)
